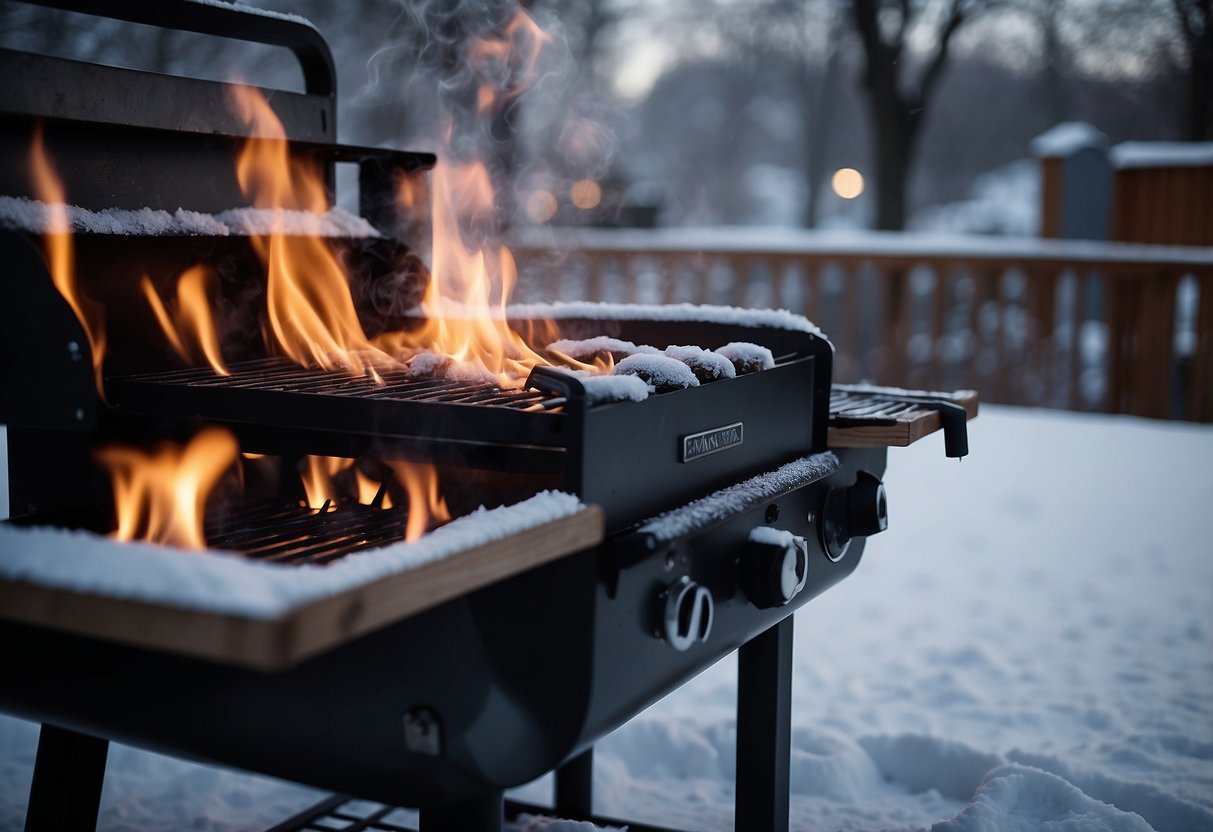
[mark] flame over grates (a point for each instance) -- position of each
(281, 375)
(291, 533)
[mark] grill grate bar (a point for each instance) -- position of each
(280, 375)
(292, 533)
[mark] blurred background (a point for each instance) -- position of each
(913, 175)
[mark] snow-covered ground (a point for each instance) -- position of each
(1029, 646)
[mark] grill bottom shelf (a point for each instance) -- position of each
(348, 814)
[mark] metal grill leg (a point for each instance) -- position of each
(764, 724)
(68, 773)
(482, 815)
(575, 787)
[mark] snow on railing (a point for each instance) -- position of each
(1083, 325)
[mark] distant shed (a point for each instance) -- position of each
(1162, 192)
(1076, 182)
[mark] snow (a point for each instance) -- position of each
(731, 315)
(1028, 647)
(747, 357)
(1066, 139)
(1162, 155)
(585, 349)
(32, 216)
(1005, 200)
(601, 389)
(705, 364)
(744, 495)
(661, 373)
(233, 585)
(870, 245)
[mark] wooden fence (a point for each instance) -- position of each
(1085, 326)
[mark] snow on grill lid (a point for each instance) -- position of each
(740, 497)
(33, 216)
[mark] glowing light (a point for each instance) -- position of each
(586, 194)
(541, 206)
(847, 183)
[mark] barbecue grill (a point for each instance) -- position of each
(705, 516)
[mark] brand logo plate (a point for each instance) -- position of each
(710, 441)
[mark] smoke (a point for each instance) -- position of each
(482, 79)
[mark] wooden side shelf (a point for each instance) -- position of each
(307, 629)
(863, 416)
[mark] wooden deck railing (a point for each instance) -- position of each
(1078, 325)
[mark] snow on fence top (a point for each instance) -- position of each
(856, 245)
(730, 315)
(1130, 155)
(234, 585)
(33, 216)
(1066, 139)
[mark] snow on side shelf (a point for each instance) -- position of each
(234, 585)
(739, 497)
(33, 216)
(731, 315)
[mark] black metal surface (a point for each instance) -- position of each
(574, 787)
(764, 730)
(68, 774)
(220, 20)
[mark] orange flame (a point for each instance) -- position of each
(61, 252)
(470, 285)
(318, 479)
(160, 495)
(192, 325)
(312, 318)
(427, 507)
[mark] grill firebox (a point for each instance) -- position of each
(678, 558)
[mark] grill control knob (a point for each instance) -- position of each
(858, 511)
(687, 611)
(774, 567)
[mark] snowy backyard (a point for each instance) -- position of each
(1029, 646)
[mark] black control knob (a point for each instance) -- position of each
(860, 510)
(773, 568)
(687, 612)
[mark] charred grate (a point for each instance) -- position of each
(280, 375)
(291, 533)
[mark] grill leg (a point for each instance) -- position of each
(575, 786)
(68, 773)
(483, 815)
(764, 724)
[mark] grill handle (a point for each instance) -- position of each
(293, 33)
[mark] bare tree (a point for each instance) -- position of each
(897, 104)
(1195, 19)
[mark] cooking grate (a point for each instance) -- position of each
(292, 533)
(391, 385)
(276, 393)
